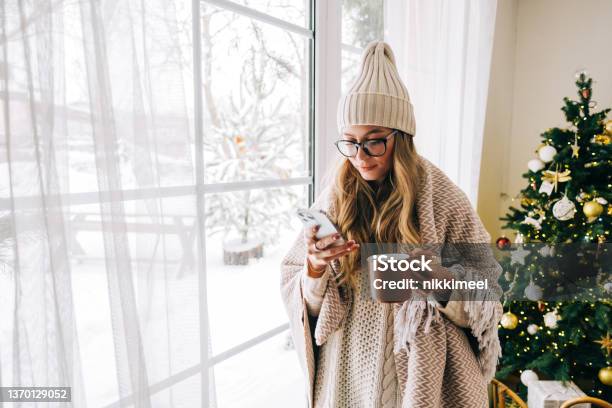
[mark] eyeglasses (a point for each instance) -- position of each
(371, 147)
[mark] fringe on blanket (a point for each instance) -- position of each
(409, 318)
(484, 312)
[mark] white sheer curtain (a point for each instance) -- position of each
(98, 287)
(443, 50)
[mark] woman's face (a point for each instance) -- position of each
(371, 168)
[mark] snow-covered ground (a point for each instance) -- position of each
(244, 302)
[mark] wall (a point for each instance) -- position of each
(498, 123)
(538, 47)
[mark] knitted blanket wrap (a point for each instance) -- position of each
(435, 364)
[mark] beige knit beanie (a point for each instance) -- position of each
(378, 96)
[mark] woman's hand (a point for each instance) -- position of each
(320, 252)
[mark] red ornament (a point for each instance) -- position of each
(503, 243)
(541, 306)
(586, 93)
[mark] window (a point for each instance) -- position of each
(362, 22)
(258, 140)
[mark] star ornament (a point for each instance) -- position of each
(606, 343)
(575, 149)
(518, 255)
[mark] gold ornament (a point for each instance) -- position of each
(509, 321)
(526, 202)
(605, 375)
(609, 209)
(608, 127)
(602, 139)
(606, 343)
(555, 177)
(592, 210)
(575, 147)
(582, 197)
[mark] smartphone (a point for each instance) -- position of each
(310, 218)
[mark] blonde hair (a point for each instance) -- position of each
(387, 215)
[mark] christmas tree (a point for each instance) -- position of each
(566, 203)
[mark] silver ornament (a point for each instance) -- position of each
(551, 318)
(564, 209)
(535, 165)
(533, 329)
(528, 376)
(547, 153)
(533, 292)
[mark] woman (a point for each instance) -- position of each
(357, 352)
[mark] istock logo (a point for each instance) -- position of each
(388, 262)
